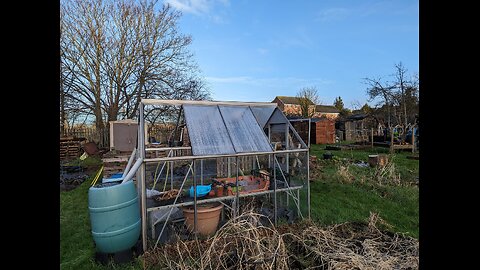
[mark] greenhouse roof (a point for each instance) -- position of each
(227, 129)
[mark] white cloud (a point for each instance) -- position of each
(196, 7)
(190, 6)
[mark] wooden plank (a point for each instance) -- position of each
(115, 159)
(402, 146)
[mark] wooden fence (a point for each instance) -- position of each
(159, 132)
(91, 134)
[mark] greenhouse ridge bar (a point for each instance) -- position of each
(230, 138)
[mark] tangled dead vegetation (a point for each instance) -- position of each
(315, 168)
(345, 175)
(354, 246)
(387, 175)
(243, 243)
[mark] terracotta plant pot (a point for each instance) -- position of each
(219, 191)
(208, 216)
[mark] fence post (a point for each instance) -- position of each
(413, 140)
(372, 137)
(391, 140)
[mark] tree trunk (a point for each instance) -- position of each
(62, 112)
(404, 106)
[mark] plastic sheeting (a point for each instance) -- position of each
(277, 117)
(262, 114)
(245, 133)
(206, 130)
(217, 130)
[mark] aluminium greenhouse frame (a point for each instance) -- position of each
(272, 154)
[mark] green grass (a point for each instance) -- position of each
(77, 249)
(335, 202)
(332, 202)
(408, 168)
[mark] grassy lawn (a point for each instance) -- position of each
(77, 249)
(335, 201)
(332, 201)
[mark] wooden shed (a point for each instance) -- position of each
(322, 131)
(123, 135)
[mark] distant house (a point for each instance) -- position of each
(327, 111)
(291, 105)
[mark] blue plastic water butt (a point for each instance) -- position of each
(114, 216)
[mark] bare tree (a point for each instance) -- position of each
(400, 96)
(307, 98)
(401, 85)
(377, 88)
(355, 105)
(114, 53)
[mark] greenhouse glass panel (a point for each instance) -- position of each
(262, 114)
(245, 133)
(206, 130)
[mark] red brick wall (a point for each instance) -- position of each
(325, 131)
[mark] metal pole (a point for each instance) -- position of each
(171, 174)
(309, 126)
(308, 184)
(286, 147)
(161, 170)
(270, 141)
(229, 171)
(288, 192)
(274, 193)
(194, 199)
(143, 202)
(237, 198)
(201, 172)
(190, 168)
(297, 150)
(220, 199)
(287, 200)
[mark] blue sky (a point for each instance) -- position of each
(255, 50)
